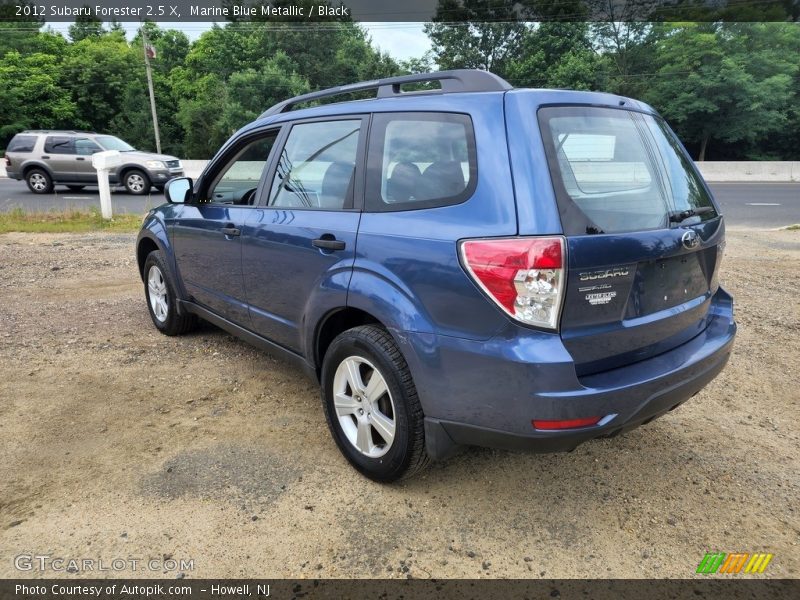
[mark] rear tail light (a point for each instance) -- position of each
(566, 424)
(524, 275)
(8, 161)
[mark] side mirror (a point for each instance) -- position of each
(178, 190)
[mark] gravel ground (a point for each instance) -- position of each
(122, 443)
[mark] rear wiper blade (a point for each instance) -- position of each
(678, 216)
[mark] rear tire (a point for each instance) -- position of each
(371, 405)
(136, 182)
(159, 291)
(39, 181)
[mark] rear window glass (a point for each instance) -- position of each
(420, 160)
(617, 170)
(22, 143)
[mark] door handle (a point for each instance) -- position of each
(45, 157)
(80, 158)
(328, 243)
(230, 230)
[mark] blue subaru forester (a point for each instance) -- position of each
(462, 264)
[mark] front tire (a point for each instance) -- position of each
(371, 405)
(136, 182)
(159, 291)
(39, 181)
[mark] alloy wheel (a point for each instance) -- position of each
(157, 291)
(364, 406)
(135, 183)
(38, 182)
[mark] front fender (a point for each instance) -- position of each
(155, 230)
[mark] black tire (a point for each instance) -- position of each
(170, 323)
(76, 188)
(136, 182)
(39, 181)
(406, 454)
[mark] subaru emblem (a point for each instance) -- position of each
(690, 239)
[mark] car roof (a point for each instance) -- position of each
(452, 102)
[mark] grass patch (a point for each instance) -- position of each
(65, 221)
(792, 228)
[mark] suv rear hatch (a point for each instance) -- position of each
(644, 239)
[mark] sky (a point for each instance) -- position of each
(401, 40)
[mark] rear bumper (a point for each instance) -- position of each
(494, 389)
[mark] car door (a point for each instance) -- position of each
(59, 156)
(84, 171)
(206, 233)
(299, 244)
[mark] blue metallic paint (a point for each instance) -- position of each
(289, 283)
(480, 376)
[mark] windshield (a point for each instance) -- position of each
(109, 142)
(618, 170)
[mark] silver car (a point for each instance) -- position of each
(44, 158)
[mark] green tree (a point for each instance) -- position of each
(33, 96)
(96, 73)
(17, 34)
(249, 93)
(86, 26)
(723, 83)
(200, 116)
(476, 34)
(559, 55)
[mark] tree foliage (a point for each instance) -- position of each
(732, 91)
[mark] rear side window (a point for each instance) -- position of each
(22, 143)
(420, 160)
(618, 170)
(56, 144)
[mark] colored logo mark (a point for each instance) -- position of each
(735, 562)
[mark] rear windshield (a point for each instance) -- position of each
(617, 170)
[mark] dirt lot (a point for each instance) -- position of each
(118, 442)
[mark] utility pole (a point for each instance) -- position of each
(147, 46)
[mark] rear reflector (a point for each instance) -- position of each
(568, 424)
(523, 275)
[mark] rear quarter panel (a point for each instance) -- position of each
(406, 271)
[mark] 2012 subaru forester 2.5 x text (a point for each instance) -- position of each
(466, 265)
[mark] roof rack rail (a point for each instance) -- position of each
(58, 131)
(460, 80)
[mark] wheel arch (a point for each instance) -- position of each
(333, 324)
(144, 247)
(153, 236)
(27, 167)
(123, 170)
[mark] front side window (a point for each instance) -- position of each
(110, 142)
(316, 168)
(420, 160)
(56, 144)
(86, 147)
(618, 170)
(238, 180)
